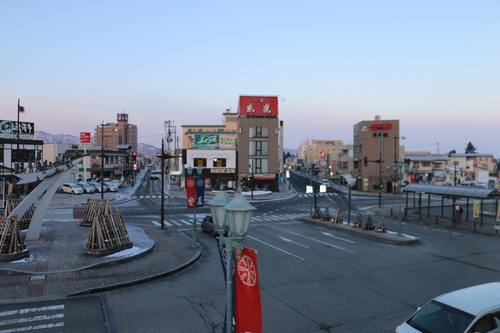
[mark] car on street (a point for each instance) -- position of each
(83, 180)
(480, 184)
(71, 188)
(155, 175)
(117, 183)
(325, 182)
(98, 187)
(470, 310)
(86, 187)
(111, 187)
(207, 226)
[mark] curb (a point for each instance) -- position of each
(192, 261)
(384, 237)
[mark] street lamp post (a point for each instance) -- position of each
(232, 217)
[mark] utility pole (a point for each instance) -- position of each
(162, 209)
(170, 136)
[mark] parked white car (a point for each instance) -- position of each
(87, 188)
(469, 310)
(117, 183)
(111, 187)
(98, 187)
(71, 188)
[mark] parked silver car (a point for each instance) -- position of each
(111, 187)
(87, 188)
(98, 187)
(71, 188)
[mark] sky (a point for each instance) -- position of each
(434, 65)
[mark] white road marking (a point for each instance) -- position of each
(321, 242)
(291, 241)
(276, 248)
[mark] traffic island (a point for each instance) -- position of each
(375, 234)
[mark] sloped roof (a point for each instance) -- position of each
(455, 191)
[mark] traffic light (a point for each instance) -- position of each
(381, 186)
(365, 161)
(134, 156)
(184, 156)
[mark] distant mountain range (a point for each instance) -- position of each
(144, 149)
(69, 139)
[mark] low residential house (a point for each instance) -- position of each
(426, 168)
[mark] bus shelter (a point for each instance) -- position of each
(450, 192)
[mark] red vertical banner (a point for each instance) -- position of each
(248, 309)
(191, 192)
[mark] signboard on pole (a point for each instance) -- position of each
(334, 166)
(9, 130)
(85, 138)
(477, 208)
(195, 192)
(248, 307)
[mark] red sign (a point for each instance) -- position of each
(258, 106)
(380, 127)
(322, 154)
(248, 308)
(85, 138)
(334, 166)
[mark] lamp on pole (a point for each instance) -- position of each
(232, 217)
(20, 109)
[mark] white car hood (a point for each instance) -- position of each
(405, 328)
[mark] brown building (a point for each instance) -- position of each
(259, 149)
(376, 147)
(113, 135)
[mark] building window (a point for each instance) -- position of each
(259, 148)
(344, 165)
(219, 163)
(259, 132)
(259, 165)
(200, 162)
(426, 164)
